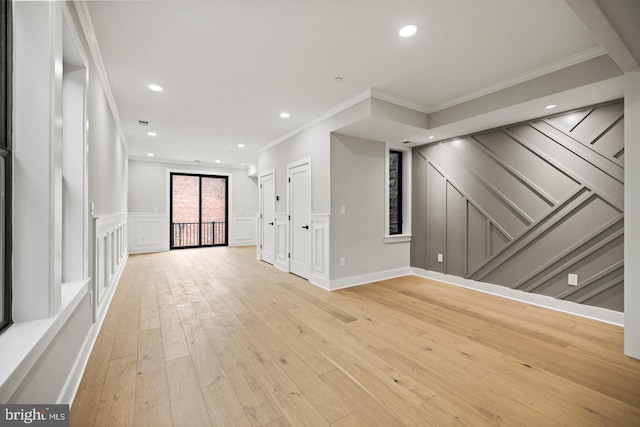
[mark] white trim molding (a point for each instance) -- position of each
(364, 95)
(406, 193)
(110, 255)
(148, 232)
(282, 241)
(582, 310)
(94, 48)
(242, 228)
(319, 274)
(29, 341)
(68, 393)
(349, 282)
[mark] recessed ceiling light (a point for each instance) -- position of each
(155, 88)
(430, 137)
(152, 134)
(285, 115)
(150, 154)
(408, 30)
(550, 106)
(240, 145)
(218, 161)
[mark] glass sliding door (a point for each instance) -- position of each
(199, 210)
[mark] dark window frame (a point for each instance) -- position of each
(6, 74)
(226, 202)
(395, 227)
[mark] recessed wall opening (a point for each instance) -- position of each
(199, 210)
(71, 181)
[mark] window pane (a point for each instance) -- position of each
(214, 210)
(185, 210)
(395, 192)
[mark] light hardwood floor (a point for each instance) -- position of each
(214, 337)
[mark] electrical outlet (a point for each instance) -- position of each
(573, 280)
(343, 209)
(440, 258)
(342, 262)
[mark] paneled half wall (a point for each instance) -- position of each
(526, 205)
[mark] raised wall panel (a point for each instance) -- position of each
(476, 238)
(499, 209)
(418, 211)
(498, 240)
(499, 178)
(611, 143)
(243, 228)
(320, 250)
(148, 232)
(565, 232)
(584, 171)
(436, 217)
(281, 224)
(456, 252)
(528, 204)
(597, 122)
(550, 179)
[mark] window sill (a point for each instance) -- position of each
(397, 238)
(27, 341)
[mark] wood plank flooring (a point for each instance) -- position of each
(213, 337)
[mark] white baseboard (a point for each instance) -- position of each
(349, 282)
(68, 393)
(319, 282)
(582, 310)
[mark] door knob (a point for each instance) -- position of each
(270, 223)
(306, 227)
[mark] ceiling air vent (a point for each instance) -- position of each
(143, 122)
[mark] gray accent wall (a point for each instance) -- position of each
(525, 205)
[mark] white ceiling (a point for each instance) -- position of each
(229, 67)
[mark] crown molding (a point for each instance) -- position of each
(92, 42)
(375, 93)
(521, 78)
(187, 163)
(365, 94)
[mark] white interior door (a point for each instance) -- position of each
(300, 211)
(267, 225)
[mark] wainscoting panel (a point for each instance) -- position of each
(243, 230)
(149, 232)
(320, 250)
(282, 254)
(110, 256)
(525, 205)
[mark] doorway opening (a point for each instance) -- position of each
(199, 210)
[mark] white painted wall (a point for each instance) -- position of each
(358, 184)
(149, 204)
(108, 167)
(631, 214)
(147, 180)
(45, 350)
(35, 56)
(313, 143)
